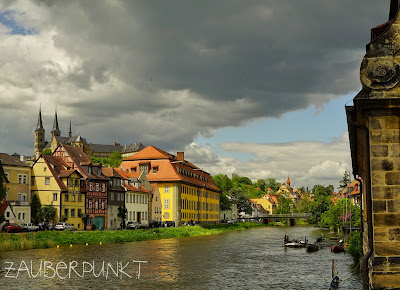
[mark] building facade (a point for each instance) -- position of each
(18, 190)
(95, 183)
(186, 192)
(116, 197)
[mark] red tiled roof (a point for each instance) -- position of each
(79, 158)
(134, 188)
(9, 160)
(128, 175)
(170, 168)
(56, 165)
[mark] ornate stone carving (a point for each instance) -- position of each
(380, 72)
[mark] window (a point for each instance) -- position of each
(90, 186)
(21, 216)
(133, 216)
(44, 168)
(66, 212)
(96, 204)
(24, 179)
(79, 212)
(54, 196)
(103, 204)
(72, 212)
(166, 188)
(144, 168)
(76, 182)
(79, 197)
(155, 169)
(66, 197)
(73, 197)
(97, 186)
(112, 196)
(69, 182)
(133, 169)
(156, 198)
(103, 187)
(47, 181)
(7, 176)
(8, 214)
(19, 196)
(90, 204)
(32, 180)
(166, 203)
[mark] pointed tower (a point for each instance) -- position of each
(39, 135)
(56, 131)
(70, 128)
(288, 182)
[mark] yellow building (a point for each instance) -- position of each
(73, 200)
(186, 192)
(18, 191)
(265, 203)
(56, 184)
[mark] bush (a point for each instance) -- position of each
(355, 246)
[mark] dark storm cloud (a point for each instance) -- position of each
(182, 67)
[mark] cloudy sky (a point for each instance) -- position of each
(256, 88)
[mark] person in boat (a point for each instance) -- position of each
(334, 283)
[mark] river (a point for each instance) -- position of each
(248, 259)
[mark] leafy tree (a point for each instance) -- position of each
(305, 204)
(355, 246)
(2, 180)
(85, 219)
(115, 159)
(35, 209)
(122, 213)
(47, 151)
(271, 183)
(335, 216)
(224, 202)
(285, 205)
(223, 182)
(243, 203)
(47, 213)
(64, 218)
(261, 184)
(345, 180)
(238, 180)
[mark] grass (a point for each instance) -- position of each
(48, 239)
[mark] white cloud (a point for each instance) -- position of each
(307, 163)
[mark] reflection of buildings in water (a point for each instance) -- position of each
(165, 255)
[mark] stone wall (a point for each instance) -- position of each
(384, 269)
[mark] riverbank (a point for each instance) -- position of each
(49, 239)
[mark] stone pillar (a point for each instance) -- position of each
(385, 181)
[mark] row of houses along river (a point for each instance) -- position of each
(248, 259)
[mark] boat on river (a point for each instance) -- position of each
(312, 247)
(294, 243)
(339, 248)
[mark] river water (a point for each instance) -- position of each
(248, 259)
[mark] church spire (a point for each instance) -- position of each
(70, 128)
(56, 131)
(288, 181)
(39, 126)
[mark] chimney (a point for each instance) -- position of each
(180, 156)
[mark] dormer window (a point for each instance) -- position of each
(155, 169)
(133, 169)
(90, 170)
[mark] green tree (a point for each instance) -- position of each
(271, 183)
(35, 209)
(47, 213)
(47, 151)
(85, 219)
(355, 246)
(122, 213)
(261, 184)
(322, 201)
(115, 159)
(223, 182)
(243, 203)
(285, 205)
(64, 218)
(345, 180)
(224, 202)
(2, 189)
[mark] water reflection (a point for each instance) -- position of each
(250, 259)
